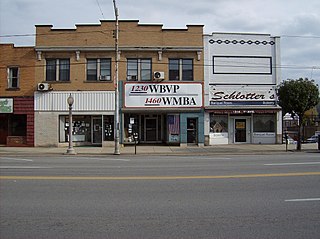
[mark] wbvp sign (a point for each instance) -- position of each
(163, 95)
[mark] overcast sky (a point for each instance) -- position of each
(297, 22)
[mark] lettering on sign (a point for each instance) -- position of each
(246, 95)
(163, 95)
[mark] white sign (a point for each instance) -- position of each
(242, 95)
(163, 95)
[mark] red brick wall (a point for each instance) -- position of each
(25, 105)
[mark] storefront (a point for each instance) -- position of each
(87, 129)
(92, 116)
(17, 121)
(242, 114)
(163, 113)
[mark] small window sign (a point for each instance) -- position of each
(6, 105)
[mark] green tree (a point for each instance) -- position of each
(296, 97)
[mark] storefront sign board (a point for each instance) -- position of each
(242, 95)
(6, 105)
(163, 95)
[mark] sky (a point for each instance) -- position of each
(297, 22)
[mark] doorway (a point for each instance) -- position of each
(3, 128)
(151, 130)
(192, 130)
(240, 130)
(96, 130)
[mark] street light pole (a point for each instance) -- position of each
(70, 149)
(116, 113)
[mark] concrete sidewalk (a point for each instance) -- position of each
(164, 150)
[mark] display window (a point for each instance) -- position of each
(218, 123)
(81, 131)
(264, 123)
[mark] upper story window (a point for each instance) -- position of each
(57, 70)
(99, 69)
(181, 69)
(13, 77)
(139, 70)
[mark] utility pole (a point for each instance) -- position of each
(116, 113)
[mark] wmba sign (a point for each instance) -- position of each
(163, 95)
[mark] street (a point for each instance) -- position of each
(246, 196)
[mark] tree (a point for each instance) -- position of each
(296, 97)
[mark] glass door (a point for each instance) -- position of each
(96, 130)
(192, 130)
(151, 129)
(240, 130)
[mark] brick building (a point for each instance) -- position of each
(17, 67)
(161, 83)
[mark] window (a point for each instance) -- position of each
(81, 131)
(264, 123)
(58, 70)
(139, 70)
(218, 123)
(99, 69)
(181, 69)
(13, 77)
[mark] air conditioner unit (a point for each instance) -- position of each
(43, 87)
(158, 75)
(132, 78)
(104, 78)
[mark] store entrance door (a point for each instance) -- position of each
(151, 129)
(192, 131)
(240, 130)
(96, 130)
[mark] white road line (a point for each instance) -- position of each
(22, 167)
(106, 159)
(17, 159)
(284, 164)
(302, 200)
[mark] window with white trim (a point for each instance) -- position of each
(139, 69)
(99, 69)
(57, 70)
(13, 77)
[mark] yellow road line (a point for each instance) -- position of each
(157, 177)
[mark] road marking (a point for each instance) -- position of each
(284, 164)
(303, 200)
(21, 167)
(157, 177)
(106, 159)
(18, 159)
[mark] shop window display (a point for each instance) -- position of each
(81, 128)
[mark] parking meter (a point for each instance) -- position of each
(135, 137)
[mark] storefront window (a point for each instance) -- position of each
(18, 125)
(108, 128)
(173, 128)
(264, 123)
(218, 123)
(81, 128)
(131, 125)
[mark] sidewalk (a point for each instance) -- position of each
(232, 149)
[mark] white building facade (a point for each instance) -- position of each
(241, 74)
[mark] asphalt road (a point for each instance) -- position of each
(255, 196)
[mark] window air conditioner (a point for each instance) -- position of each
(43, 86)
(104, 78)
(132, 78)
(158, 75)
